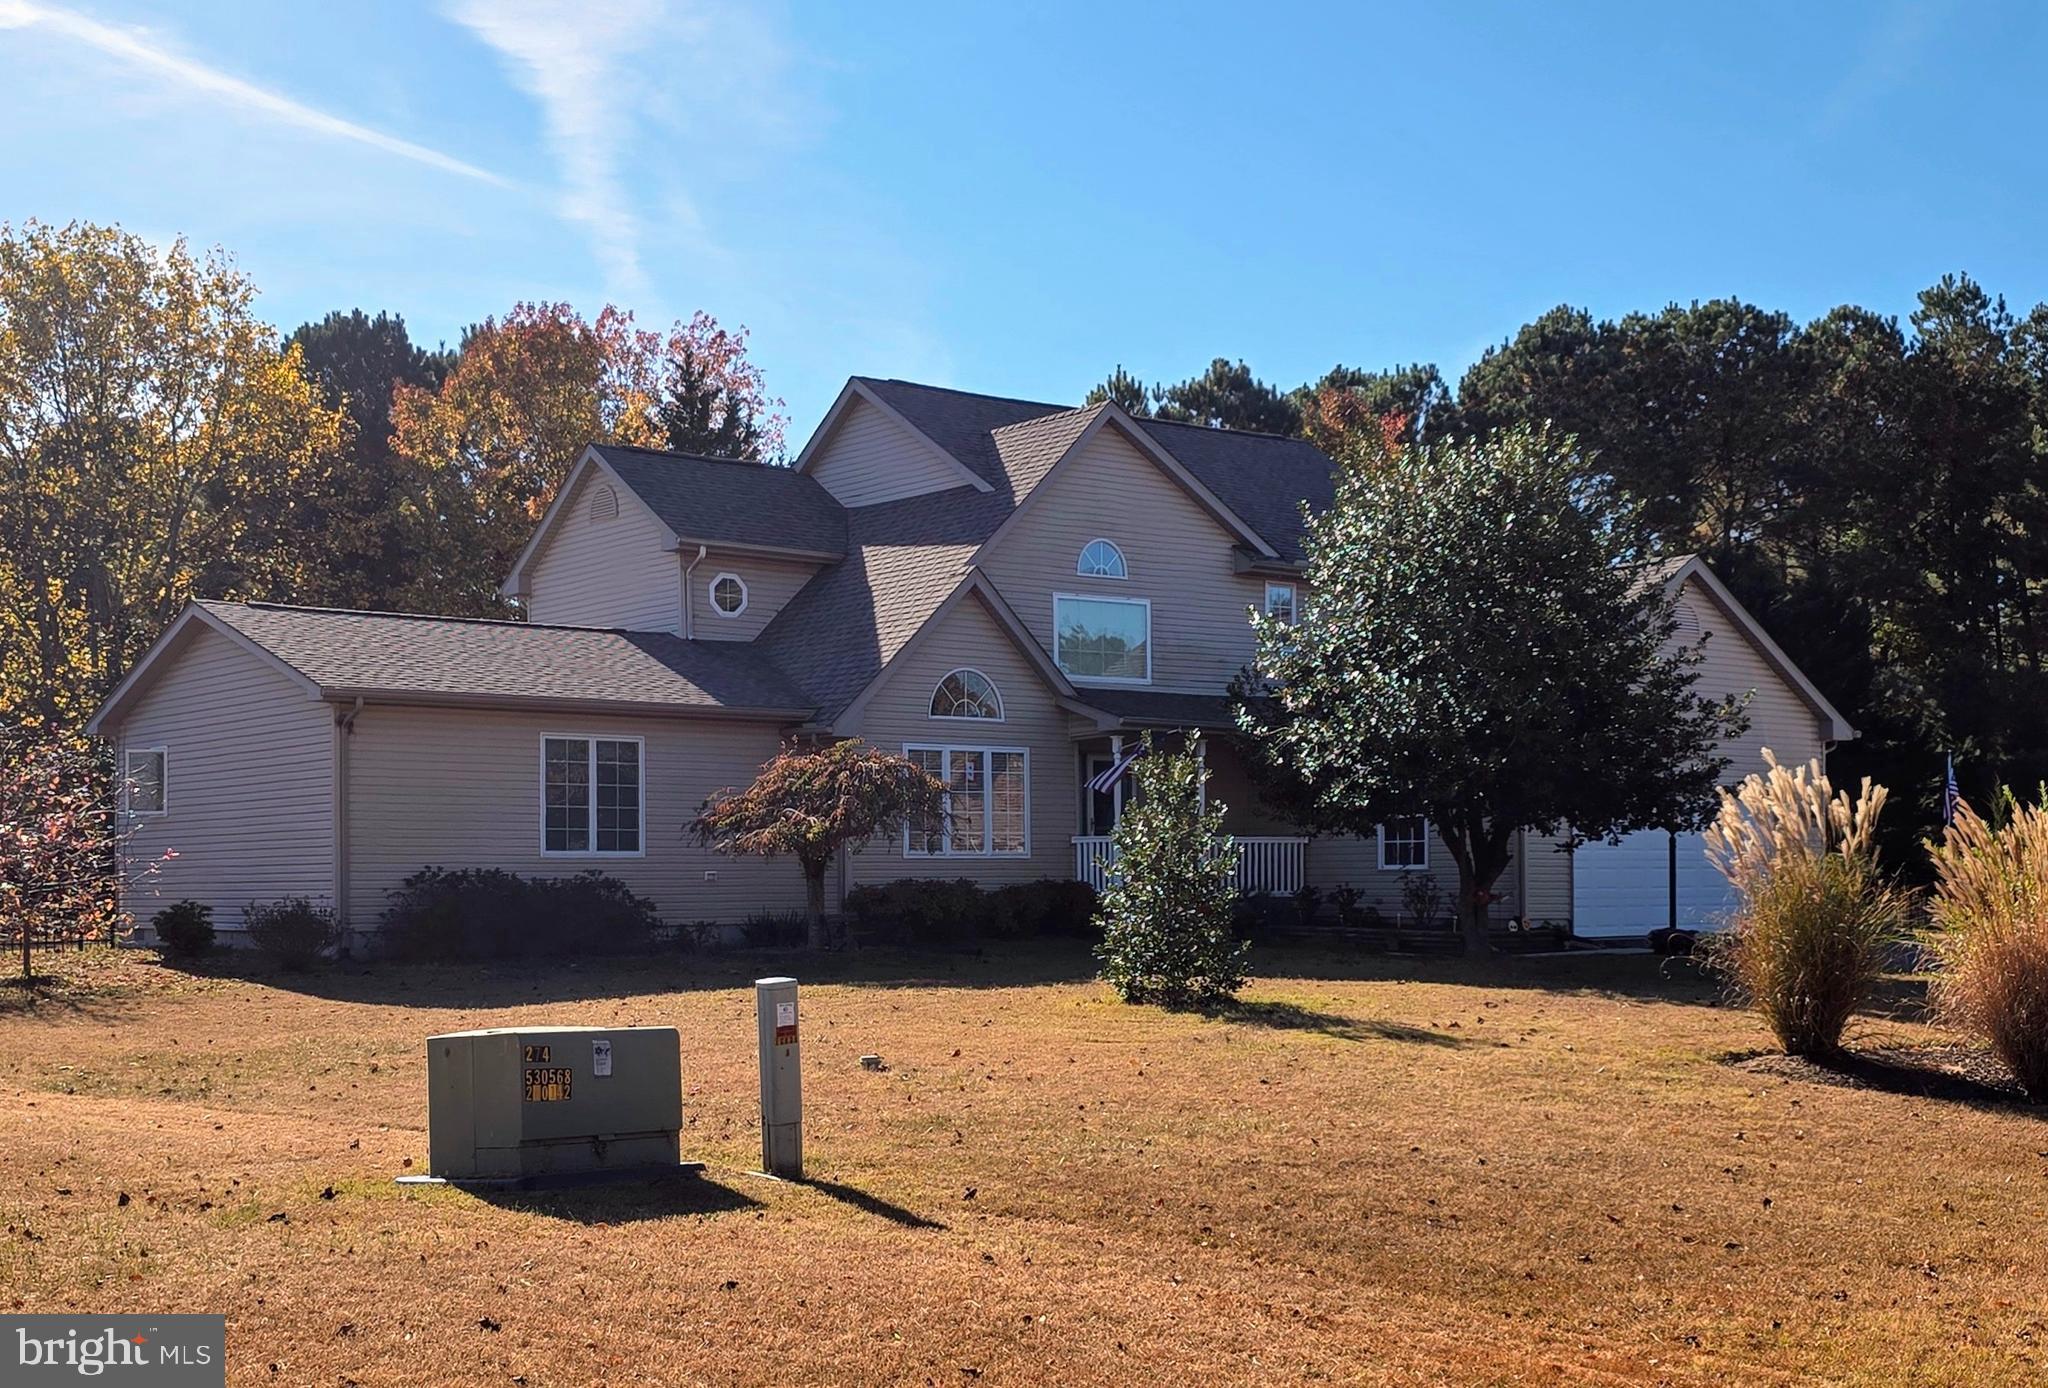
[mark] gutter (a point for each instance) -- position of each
(344, 733)
(690, 567)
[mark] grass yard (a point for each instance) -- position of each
(1379, 1171)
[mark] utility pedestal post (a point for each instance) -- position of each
(782, 1095)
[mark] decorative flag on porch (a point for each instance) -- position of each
(1950, 796)
(1105, 781)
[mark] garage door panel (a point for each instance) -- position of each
(1704, 896)
(1622, 889)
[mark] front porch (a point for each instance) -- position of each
(1269, 860)
(1268, 863)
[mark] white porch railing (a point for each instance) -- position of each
(1263, 864)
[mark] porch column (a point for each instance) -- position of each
(1201, 773)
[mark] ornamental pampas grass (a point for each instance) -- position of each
(1991, 913)
(1814, 918)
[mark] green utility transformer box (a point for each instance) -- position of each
(515, 1102)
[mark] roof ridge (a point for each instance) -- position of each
(1219, 429)
(1039, 419)
(1045, 405)
(428, 617)
(699, 457)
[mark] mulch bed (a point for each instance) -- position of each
(1964, 1074)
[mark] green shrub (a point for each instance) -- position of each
(1814, 922)
(488, 913)
(1167, 915)
(1308, 904)
(1346, 897)
(293, 931)
(185, 928)
(1991, 915)
(1047, 906)
(774, 930)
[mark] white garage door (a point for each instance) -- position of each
(1624, 890)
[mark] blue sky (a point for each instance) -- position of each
(1017, 198)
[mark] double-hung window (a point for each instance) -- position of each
(1103, 638)
(988, 803)
(1280, 601)
(1404, 843)
(593, 796)
(144, 785)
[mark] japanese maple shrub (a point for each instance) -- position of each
(811, 802)
(1166, 911)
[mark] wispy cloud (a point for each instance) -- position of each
(644, 103)
(574, 60)
(1886, 60)
(144, 49)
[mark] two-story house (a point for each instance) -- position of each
(1010, 592)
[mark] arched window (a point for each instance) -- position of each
(966, 694)
(1101, 559)
(728, 595)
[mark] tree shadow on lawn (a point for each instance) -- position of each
(1288, 1016)
(502, 983)
(1638, 976)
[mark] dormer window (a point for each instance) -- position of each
(1101, 559)
(967, 694)
(728, 595)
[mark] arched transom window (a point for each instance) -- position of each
(1101, 559)
(966, 694)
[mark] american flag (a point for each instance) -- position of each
(1105, 781)
(1951, 798)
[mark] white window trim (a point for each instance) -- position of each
(1117, 549)
(590, 785)
(164, 782)
(711, 593)
(988, 820)
(993, 688)
(1386, 866)
(1146, 603)
(1293, 598)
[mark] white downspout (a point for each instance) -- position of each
(689, 625)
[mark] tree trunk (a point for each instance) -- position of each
(1481, 853)
(814, 904)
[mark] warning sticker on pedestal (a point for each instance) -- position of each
(785, 1024)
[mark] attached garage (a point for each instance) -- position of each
(1649, 880)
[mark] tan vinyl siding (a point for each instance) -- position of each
(870, 458)
(771, 583)
(612, 566)
(1178, 557)
(249, 766)
(1339, 859)
(900, 713)
(460, 788)
(1779, 717)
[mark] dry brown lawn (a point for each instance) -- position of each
(1378, 1171)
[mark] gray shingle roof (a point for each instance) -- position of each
(1160, 708)
(1264, 478)
(390, 654)
(722, 500)
(961, 422)
(903, 559)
